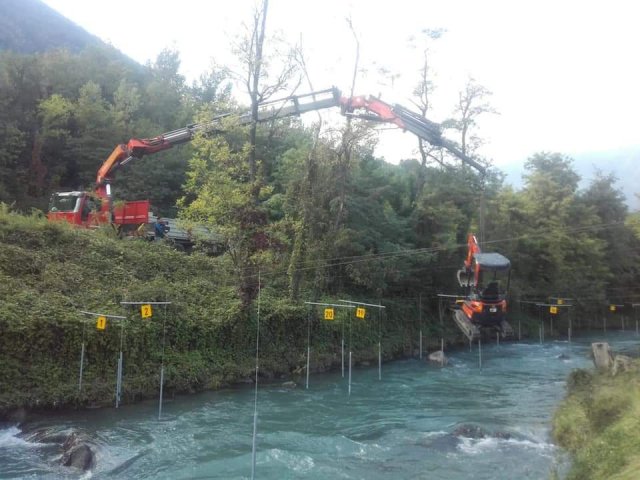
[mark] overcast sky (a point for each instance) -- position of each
(565, 75)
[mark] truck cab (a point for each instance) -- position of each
(89, 210)
(78, 208)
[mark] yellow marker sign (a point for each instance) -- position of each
(145, 311)
(553, 310)
(612, 308)
(328, 313)
(101, 323)
(360, 312)
(560, 301)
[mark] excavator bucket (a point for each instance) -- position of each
(465, 278)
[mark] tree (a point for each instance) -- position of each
(621, 246)
(423, 92)
(473, 101)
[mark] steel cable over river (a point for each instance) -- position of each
(419, 421)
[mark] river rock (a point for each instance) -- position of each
(76, 452)
(602, 358)
(289, 384)
(469, 431)
(621, 363)
(80, 456)
(563, 356)
(438, 357)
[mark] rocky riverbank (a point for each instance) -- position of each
(598, 423)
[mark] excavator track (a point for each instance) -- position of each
(474, 332)
(471, 331)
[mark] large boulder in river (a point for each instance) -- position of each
(602, 357)
(80, 456)
(77, 453)
(438, 357)
(469, 431)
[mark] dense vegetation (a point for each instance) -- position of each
(51, 272)
(598, 424)
(307, 213)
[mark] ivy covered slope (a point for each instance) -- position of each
(599, 424)
(49, 272)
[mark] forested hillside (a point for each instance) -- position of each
(313, 213)
(30, 26)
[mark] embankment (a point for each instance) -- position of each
(50, 272)
(598, 423)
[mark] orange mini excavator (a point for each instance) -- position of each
(485, 279)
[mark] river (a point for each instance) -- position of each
(401, 427)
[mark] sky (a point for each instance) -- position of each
(565, 74)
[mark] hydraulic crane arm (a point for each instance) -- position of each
(423, 128)
(290, 106)
(376, 110)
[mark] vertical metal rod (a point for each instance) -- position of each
(379, 341)
(442, 352)
(570, 326)
(540, 332)
(81, 368)
(480, 354)
(540, 327)
(84, 326)
(519, 331)
(308, 348)
(350, 349)
(164, 336)
(342, 346)
(420, 319)
(498, 339)
(161, 390)
(349, 373)
(308, 355)
(255, 400)
(637, 331)
(119, 374)
(119, 380)
(343, 357)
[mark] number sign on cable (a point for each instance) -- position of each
(146, 311)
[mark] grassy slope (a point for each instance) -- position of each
(599, 424)
(49, 272)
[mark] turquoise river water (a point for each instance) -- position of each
(414, 423)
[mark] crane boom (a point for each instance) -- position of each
(286, 107)
(376, 110)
